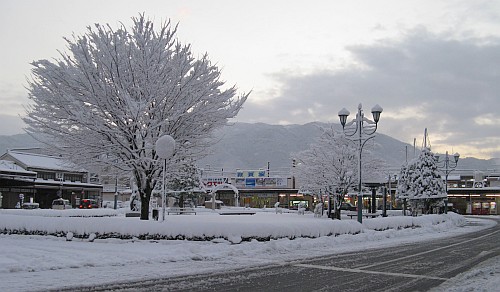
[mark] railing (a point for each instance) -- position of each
(179, 211)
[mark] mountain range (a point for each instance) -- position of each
(251, 146)
(257, 145)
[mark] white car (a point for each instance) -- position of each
(61, 204)
(111, 204)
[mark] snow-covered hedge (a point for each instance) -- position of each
(100, 212)
(178, 227)
(399, 222)
(261, 226)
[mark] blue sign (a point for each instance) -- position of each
(250, 182)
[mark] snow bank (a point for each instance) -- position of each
(483, 277)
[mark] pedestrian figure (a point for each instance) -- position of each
(318, 210)
(302, 208)
(277, 208)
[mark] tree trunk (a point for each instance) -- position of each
(181, 201)
(145, 195)
(338, 203)
(337, 214)
(145, 206)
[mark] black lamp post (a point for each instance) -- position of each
(365, 130)
(448, 167)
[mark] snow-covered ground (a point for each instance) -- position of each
(34, 262)
(484, 277)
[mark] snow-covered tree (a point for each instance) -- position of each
(185, 181)
(402, 187)
(115, 92)
(403, 180)
(330, 165)
(421, 183)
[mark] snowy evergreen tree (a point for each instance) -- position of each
(107, 100)
(421, 183)
(402, 187)
(402, 183)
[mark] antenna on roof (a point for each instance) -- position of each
(426, 137)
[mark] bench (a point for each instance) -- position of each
(366, 215)
(236, 213)
(132, 214)
(180, 211)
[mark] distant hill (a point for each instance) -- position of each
(252, 146)
(244, 145)
(16, 141)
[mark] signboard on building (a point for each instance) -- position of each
(250, 173)
(211, 182)
(250, 182)
(261, 182)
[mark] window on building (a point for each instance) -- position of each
(46, 175)
(73, 177)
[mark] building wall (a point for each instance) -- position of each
(46, 185)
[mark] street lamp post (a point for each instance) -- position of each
(448, 167)
(164, 147)
(365, 130)
(115, 205)
(390, 189)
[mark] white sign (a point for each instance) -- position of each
(212, 182)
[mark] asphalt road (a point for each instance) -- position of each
(412, 267)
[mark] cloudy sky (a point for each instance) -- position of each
(430, 64)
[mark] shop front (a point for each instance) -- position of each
(260, 198)
(16, 185)
(475, 201)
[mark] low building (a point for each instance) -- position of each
(15, 183)
(475, 192)
(33, 177)
(470, 192)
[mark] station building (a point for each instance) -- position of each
(469, 192)
(257, 189)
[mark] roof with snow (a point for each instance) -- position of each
(40, 161)
(11, 167)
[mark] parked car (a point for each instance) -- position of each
(61, 204)
(111, 204)
(88, 204)
(347, 207)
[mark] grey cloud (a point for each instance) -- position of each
(454, 81)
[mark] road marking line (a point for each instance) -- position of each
(370, 272)
(427, 251)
